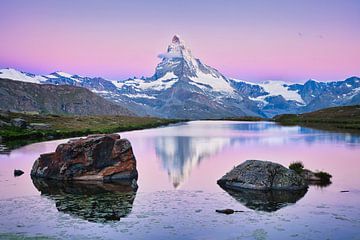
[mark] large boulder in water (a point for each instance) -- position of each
(100, 157)
(262, 175)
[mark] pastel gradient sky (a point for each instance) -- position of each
(252, 40)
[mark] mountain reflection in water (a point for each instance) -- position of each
(91, 201)
(180, 154)
(183, 147)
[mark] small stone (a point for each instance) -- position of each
(18, 172)
(225, 211)
(19, 122)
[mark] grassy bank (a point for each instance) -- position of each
(71, 126)
(345, 118)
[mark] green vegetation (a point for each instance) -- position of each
(346, 118)
(298, 167)
(318, 178)
(62, 126)
(324, 176)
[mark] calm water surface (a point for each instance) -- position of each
(177, 196)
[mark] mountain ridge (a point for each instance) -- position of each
(184, 87)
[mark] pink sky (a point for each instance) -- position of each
(250, 40)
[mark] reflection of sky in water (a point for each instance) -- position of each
(192, 157)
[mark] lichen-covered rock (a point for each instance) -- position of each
(97, 157)
(262, 175)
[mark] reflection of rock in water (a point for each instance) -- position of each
(179, 155)
(268, 201)
(92, 201)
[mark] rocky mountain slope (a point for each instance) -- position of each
(184, 87)
(47, 98)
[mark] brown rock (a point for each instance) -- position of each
(97, 157)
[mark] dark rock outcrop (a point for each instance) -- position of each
(100, 157)
(262, 175)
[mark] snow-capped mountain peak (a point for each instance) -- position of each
(179, 60)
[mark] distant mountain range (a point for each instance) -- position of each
(184, 87)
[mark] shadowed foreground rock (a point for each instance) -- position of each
(262, 175)
(104, 158)
(91, 201)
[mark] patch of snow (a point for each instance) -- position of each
(243, 81)
(118, 84)
(354, 92)
(21, 76)
(138, 95)
(218, 84)
(275, 88)
(50, 76)
(162, 83)
(64, 74)
(102, 91)
(259, 100)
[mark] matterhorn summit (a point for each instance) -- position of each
(179, 60)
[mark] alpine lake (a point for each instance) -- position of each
(177, 197)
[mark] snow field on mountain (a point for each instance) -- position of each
(276, 88)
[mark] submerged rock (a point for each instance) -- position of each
(97, 157)
(262, 175)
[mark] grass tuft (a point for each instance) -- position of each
(298, 167)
